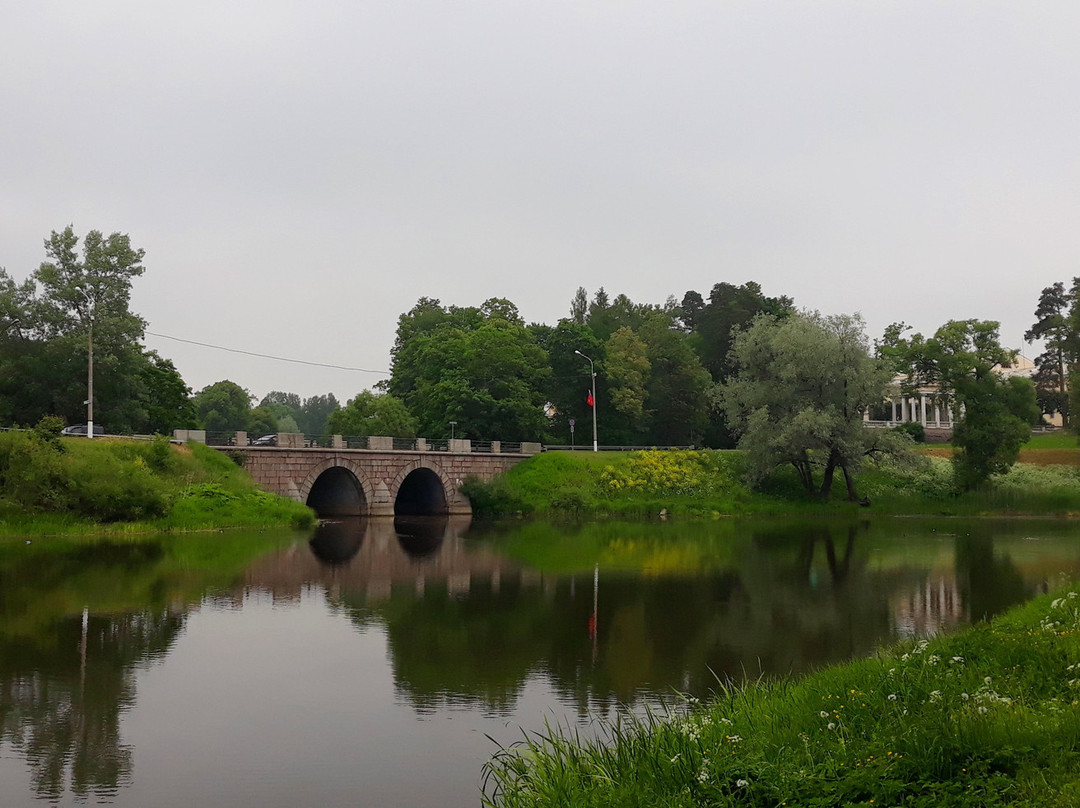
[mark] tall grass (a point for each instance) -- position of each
(989, 716)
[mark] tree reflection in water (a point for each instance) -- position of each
(60, 702)
(67, 670)
(677, 609)
(471, 618)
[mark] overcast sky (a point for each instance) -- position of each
(300, 173)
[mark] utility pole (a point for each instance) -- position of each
(90, 311)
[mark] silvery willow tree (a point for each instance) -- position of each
(797, 393)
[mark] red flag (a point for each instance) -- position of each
(589, 401)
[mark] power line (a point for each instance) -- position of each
(267, 356)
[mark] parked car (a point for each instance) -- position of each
(79, 430)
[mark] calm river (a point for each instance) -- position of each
(365, 665)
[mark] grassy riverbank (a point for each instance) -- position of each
(989, 716)
(712, 483)
(51, 485)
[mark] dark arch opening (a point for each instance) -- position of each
(421, 494)
(337, 492)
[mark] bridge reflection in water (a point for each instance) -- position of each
(372, 555)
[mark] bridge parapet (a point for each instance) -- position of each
(372, 443)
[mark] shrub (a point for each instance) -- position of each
(106, 488)
(32, 472)
(492, 497)
(654, 472)
(913, 428)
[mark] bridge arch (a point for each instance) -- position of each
(422, 488)
(338, 487)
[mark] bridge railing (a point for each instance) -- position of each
(355, 442)
(404, 444)
(220, 438)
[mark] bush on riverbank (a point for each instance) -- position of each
(53, 485)
(989, 716)
(713, 482)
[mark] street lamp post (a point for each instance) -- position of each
(592, 373)
(89, 366)
(453, 425)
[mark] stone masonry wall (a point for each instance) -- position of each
(292, 472)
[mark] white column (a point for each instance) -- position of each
(937, 412)
(922, 410)
(893, 402)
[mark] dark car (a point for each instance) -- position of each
(265, 440)
(79, 430)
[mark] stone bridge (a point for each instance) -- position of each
(376, 481)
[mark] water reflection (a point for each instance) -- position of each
(66, 677)
(671, 607)
(472, 618)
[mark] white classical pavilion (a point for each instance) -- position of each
(926, 405)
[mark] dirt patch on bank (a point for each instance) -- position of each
(1034, 457)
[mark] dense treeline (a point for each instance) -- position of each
(730, 367)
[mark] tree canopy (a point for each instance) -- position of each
(797, 393)
(45, 329)
(964, 359)
(373, 414)
(480, 367)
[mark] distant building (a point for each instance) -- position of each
(928, 407)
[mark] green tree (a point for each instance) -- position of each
(677, 387)
(730, 309)
(797, 396)
(566, 386)
(480, 367)
(314, 413)
(628, 373)
(579, 306)
(167, 399)
(965, 359)
(372, 414)
(1052, 325)
(47, 322)
(689, 310)
(225, 406)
